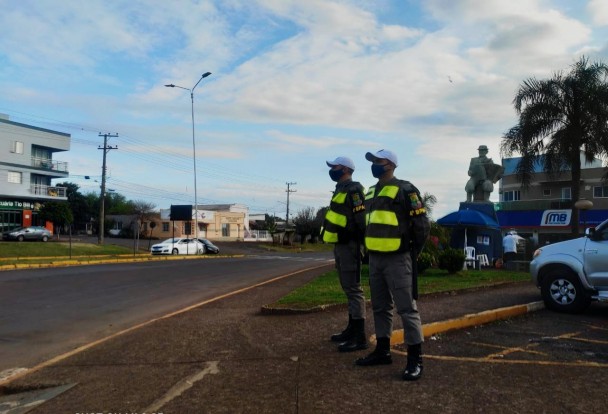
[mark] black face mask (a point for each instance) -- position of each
(335, 175)
(378, 170)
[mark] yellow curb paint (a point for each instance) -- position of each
(512, 361)
(86, 261)
(470, 320)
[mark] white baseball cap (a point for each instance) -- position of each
(382, 154)
(344, 161)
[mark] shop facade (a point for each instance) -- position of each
(27, 168)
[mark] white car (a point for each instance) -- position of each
(178, 246)
(572, 273)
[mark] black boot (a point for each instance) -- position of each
(358, 340)
(346, 334)
(380, 356)
(413, 369)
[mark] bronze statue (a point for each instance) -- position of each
(484, 174)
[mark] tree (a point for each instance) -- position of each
(78, 204)
(116, 203)
(58, 213)
(429, 201)
(558, 119)
(143, 210)
(304, 222)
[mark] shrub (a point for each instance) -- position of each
(451, 260)
(425, 260)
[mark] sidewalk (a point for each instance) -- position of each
(227, 357)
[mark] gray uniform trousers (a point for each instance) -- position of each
(390, 279)
(348, 264)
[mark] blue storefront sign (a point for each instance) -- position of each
(548, 218)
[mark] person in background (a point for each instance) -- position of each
(509, 246)
(396, 230)
(343, 226)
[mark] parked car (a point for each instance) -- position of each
(572, 273)
(27, 233)
(209, 247)
(178, 246)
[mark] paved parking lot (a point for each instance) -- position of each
(538, 338)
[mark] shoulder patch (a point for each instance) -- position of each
(415, 202)
(357, 201)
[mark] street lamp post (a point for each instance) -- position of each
(193, 146)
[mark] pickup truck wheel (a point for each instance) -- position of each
(562, 291)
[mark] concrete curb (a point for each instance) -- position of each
(470, 320)
(96, 260)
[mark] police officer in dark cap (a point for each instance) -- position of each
(343, 227)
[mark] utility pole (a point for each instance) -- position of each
(102, 195)
(288, 191)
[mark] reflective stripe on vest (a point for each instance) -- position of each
(335, 218)
(383, 233)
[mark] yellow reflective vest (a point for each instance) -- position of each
(339, 225)
(388, 216)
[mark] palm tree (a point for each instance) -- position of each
(429, 201)
(558, 119)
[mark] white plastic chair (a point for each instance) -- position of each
(483, 260)
(470, 258)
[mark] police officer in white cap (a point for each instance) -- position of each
(343, 226)
(397, 228)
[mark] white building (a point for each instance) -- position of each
(27, 167)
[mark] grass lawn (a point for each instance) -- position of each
(40, 252)
(326, 290)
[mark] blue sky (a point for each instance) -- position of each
(294, 83)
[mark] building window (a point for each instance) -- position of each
(547, 192)
(510, 195)
(165, 226)
(226, 230)
(14, 177)
(566, 193)
(600, 192)
(17, 147)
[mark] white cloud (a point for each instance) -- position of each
(598, 10)
(294, 82)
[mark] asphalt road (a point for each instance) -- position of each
(46, 312)
(228, 357)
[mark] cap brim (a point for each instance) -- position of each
(330, 164)
(370, 157)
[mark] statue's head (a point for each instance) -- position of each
(483, 150)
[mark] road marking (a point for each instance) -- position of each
(182, 386)
(498, 357)
(505, 350)
(510, 361)
(90, 345)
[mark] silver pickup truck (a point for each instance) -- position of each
(572, 273)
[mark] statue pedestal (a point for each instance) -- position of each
(485, 207)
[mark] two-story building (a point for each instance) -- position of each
(217, 222)
(26, 170)
(542, 213)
